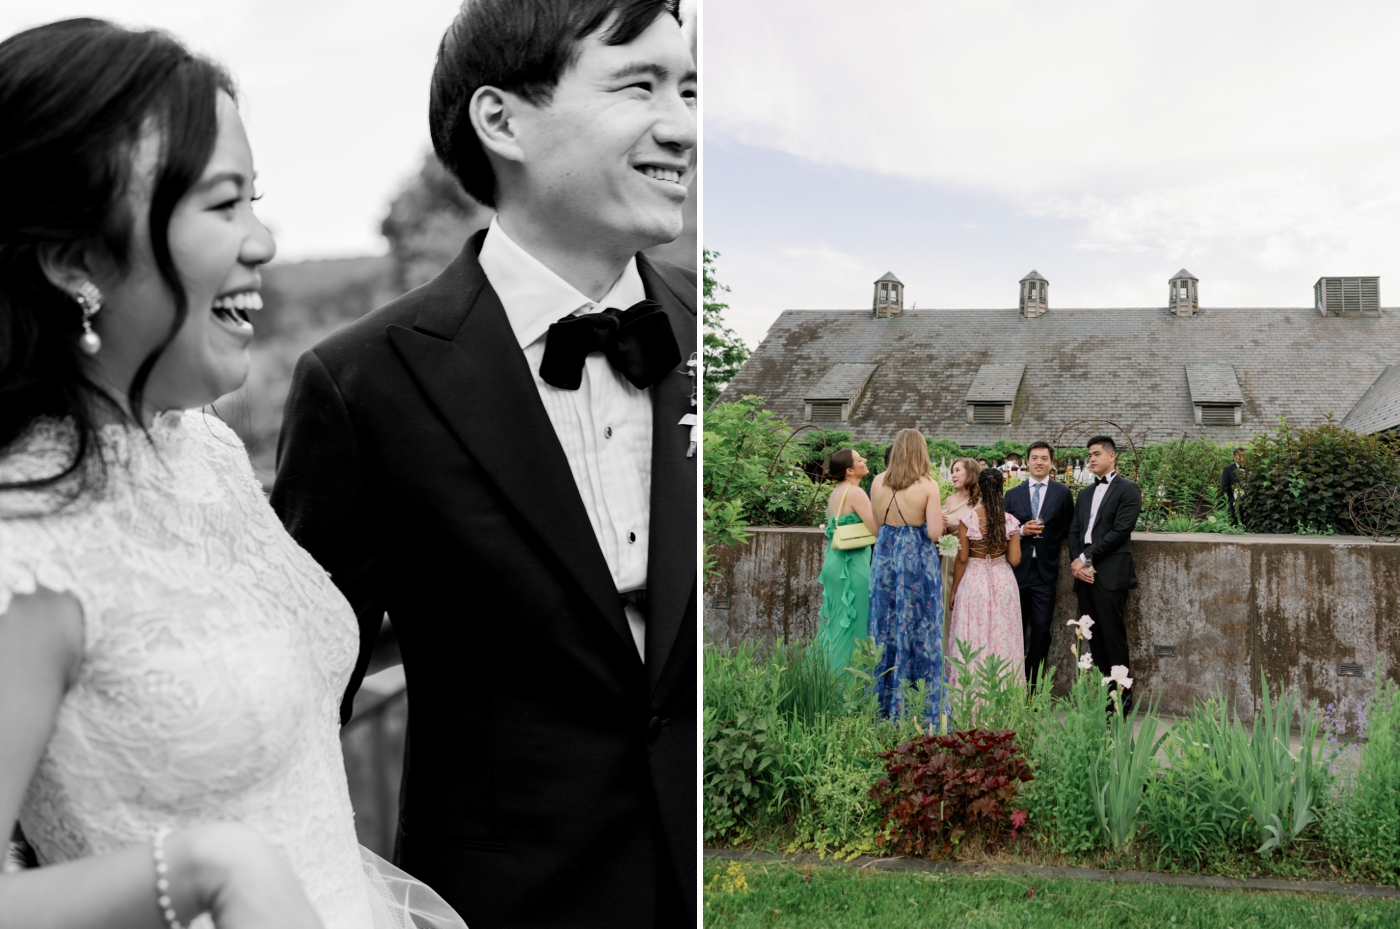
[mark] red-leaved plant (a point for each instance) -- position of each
(937, 787)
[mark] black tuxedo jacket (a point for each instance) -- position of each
(550, 772)
(1110, 548)
(1040, 554)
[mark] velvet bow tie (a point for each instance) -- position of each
(1100, 480)
(638, 341)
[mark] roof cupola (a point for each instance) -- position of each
(889, 296)
(1035, 295)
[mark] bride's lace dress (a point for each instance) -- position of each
(216, 652)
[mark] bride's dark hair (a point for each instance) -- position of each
(76, 99)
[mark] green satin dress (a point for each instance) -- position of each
(845, 579)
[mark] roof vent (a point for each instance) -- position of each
(1348, 296)
(837, 393)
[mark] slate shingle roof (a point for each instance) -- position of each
(1123, 365)
(1183, 273)
(840, 382)
(1379, 408)
(888, 276)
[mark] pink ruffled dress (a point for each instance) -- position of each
(987, 611)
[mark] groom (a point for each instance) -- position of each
(502, 461)
(1104, 517)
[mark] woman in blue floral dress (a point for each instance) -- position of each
(906, 583)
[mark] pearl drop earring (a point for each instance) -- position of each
(90, 299)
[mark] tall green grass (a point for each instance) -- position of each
(1364, 823)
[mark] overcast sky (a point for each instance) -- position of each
(1104, 144)
(335, 99)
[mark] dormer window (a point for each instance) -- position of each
(993, 394)
(833, 399)
(1215, 395)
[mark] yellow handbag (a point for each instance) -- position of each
(851, 535)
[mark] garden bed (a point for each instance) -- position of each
(796, 761)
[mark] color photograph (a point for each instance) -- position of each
(1051, 481)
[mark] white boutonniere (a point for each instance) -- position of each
(690, 419)
(693, 421)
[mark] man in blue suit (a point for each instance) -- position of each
(1045, 510)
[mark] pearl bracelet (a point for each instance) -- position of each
(162, 881)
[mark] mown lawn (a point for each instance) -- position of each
(775, 894)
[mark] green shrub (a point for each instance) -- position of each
(1190, 807)
(743, 737)
(1299, 479)
(753, 475)
(991, 693)
(1062, 803)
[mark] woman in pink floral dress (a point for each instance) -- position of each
(986, 600)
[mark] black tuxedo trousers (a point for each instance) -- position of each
(549, 778)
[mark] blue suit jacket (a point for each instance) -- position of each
(1040, 555)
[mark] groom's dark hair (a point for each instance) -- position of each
(520, 46)
(1105, 441)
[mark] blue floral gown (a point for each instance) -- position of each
(906, 618)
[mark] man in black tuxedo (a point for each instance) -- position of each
(1230, 479)
(1104, 517)
(1045, 509)
(503, 460)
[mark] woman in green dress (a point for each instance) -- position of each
(845, 575)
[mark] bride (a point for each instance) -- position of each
(171, 663)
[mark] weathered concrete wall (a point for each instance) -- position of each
(1294, 607)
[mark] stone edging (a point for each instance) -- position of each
(1083, 874)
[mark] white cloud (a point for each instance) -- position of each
(1261, 130)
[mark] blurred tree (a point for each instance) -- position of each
(428, 222)
(724, 351)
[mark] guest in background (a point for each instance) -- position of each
(986, 602)
(1100, 543)
(964, 496)
(906, 586)
(1230, 480)
(845, 575)
(1045, 509)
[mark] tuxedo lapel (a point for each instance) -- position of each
(671, 554)
(464, 355)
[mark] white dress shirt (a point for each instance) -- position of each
(604, 426)
(1099, 491)
(1043, 484)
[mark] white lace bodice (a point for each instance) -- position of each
(216, 652)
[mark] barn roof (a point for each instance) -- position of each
(1142, 368)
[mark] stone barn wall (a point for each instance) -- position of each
(1295, 607)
